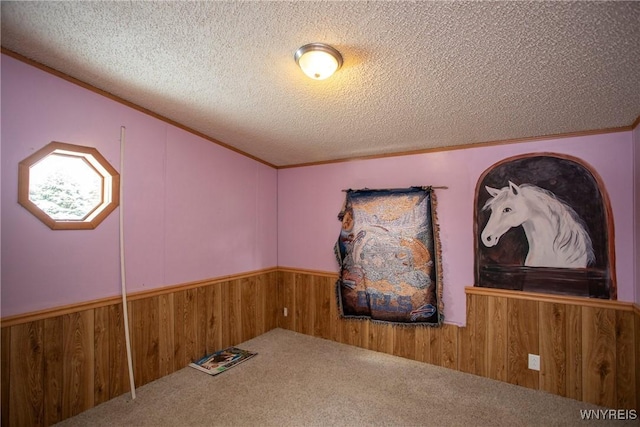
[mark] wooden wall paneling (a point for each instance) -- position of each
(26, 366)
(166, 334)
(249, 309)
(261, 287)
(553, 355)
(274, 309)
(78, 362)
(143, 315)
(213, 302)
(234, 302)
(201, 323)
(118, 363)
(101, 351)
(404, 341)
(304, 308)
(480, 344)
(225, 297)
(334, 312)
(53, 355)
(287, 298)
(496, 361)
(380, 337)
(637, 339)
(436, 341)
(467, 337)
(599, 356)
(190, 324)
(5, 346)
(573, 348)
(322, 310)
(523, 339)
(448, 338)
(626, 363)
(180, 357)
(422, 345)
(355, 332)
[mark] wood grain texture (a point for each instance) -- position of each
(213, 304)
(553, 355)
(448, 334)
(144, 325)
(26, 375)
(55, 365)
(404, 341)
(466, 338)
(101, 351)
(5, 346)
(573, 346)
(118, 365)
(479, 344)
(523, 339)
(637, 345)
(599, 356)
(626, 362)
(166, 335)
(496, 345)
(249, 309)
(304, 307)
(78, 363)
(322, 297)
(53, 355)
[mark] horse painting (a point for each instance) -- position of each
(556, 235)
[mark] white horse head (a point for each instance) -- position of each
(507, 211)
(556, 235)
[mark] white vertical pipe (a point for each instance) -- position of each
(122, 269)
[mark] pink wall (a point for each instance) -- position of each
(192, 208)
(309, 199)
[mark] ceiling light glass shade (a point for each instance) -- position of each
(318, 60)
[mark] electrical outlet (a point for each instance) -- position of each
(286, 312)
(534, 362)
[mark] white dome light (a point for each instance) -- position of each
(318, 60)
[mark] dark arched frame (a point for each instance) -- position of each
(577, 184)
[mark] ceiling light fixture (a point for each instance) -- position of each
(318, 60)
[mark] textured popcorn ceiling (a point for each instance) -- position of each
(416, 75)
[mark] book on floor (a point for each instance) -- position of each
(220, 361)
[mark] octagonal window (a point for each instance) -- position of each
(68, 186)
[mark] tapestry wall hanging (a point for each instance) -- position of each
(389, 257)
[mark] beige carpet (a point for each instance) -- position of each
(298, 380)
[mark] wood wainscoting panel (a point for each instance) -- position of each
(53, 371)
(523, 339)
(101, 355)
(78, 363)
(626, 362)
(573, 348)
(553, 354)
(496, 345)
(26, 375)
(599, 356)
(118, 364)
(589, 349)
(60, 365)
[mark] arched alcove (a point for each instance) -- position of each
(504, 260)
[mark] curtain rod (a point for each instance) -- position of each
(433, 187)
